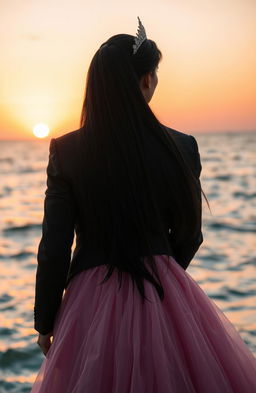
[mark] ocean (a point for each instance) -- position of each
(224, 266)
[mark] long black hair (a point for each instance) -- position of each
(120, 206)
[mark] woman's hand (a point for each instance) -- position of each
(44, 342)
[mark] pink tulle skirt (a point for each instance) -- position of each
(106, 340)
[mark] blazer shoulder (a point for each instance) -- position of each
(174, 132)
(184, 140)
(188, 145)
(179, 135)
(68, 143)
(68, 137)
(67, 148)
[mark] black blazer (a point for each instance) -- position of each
(62, 219)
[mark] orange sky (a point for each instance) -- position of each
(207, 78)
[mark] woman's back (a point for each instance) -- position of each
(130, 189)
(164, 175)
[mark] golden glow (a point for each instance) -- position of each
(41, 130)
(206, 78)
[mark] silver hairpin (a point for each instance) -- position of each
(141, 37)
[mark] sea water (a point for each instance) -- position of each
(224, 266)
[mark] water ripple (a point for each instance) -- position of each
(224, 266)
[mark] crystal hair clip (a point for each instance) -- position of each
(140, 38)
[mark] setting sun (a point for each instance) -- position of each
(41, 130)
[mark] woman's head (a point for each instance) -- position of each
(118, 78)
(146, 58)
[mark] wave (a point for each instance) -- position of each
(17, 358)
(5, 298)
(246, 227)
(15, 386)
(22, 228)
(223, 177)
(213, 257)
(241, 293)
(4, 331)
(212, 159)
(244, 195)
(27, 170)
(19, 255)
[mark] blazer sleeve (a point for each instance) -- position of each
(54, 251)
(190, 240)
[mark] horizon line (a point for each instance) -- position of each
(48, 138)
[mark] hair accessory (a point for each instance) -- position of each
(141, 37)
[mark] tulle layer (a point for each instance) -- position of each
(107, 341)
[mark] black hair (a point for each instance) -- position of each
(120, 207)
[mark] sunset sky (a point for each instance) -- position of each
(207, 78)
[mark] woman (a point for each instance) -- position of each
(129, 188)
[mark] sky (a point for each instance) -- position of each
(207, 77)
